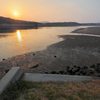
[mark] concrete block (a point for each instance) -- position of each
(13, 75)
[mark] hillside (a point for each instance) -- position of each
(62, 24)
(4, 20)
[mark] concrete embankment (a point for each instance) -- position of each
(16, 73)
(13, 75)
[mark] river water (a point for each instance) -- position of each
(31, 40)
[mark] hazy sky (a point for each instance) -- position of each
(52, 10)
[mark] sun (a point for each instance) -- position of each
(15, 13)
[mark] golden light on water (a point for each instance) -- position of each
(19, 36)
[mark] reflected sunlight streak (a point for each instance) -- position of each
(19, 36)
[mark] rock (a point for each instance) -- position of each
(98, 75)
(72, 71)
(98, 66)
(81, 71)
(91, 72)
(78, 73)
(65, 72)
(6, 70)
(88, 74)
(93, 66)
(57, 73)
(74, 66)
(68, 73)
(3, 59)
(85, 67)
(78, 68)
(67, 69)
(98, 63)
(84, 72)
(46, 72)
(55, 56)
(98, 70)
(61, 72)
(53, 72)
(35, 66)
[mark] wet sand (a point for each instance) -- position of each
(74, 50)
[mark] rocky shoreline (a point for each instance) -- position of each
(93, 70)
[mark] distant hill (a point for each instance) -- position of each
(44, 22)
(63, 24)
(5, 20)
(90, 24)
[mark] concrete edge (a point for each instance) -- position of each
(54, 77)
(13, 75)
(16, 73)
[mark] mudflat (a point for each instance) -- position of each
(74, 51)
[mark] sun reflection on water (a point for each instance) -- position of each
(19, 36)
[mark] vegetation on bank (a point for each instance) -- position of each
(25, 90)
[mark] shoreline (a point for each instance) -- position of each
(88, 30)
(73, 50)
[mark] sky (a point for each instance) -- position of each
(83, 11)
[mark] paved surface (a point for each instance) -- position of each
(51, 77)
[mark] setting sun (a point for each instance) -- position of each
(15, 13)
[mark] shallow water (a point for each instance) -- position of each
(31, 40)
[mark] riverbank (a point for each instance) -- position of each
(74, 50)
(88, 30)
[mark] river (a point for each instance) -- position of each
(31, 40)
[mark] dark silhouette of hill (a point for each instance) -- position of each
(54, 24)
(63, 24)
(5, 20)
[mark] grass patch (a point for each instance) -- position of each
(25, 90)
